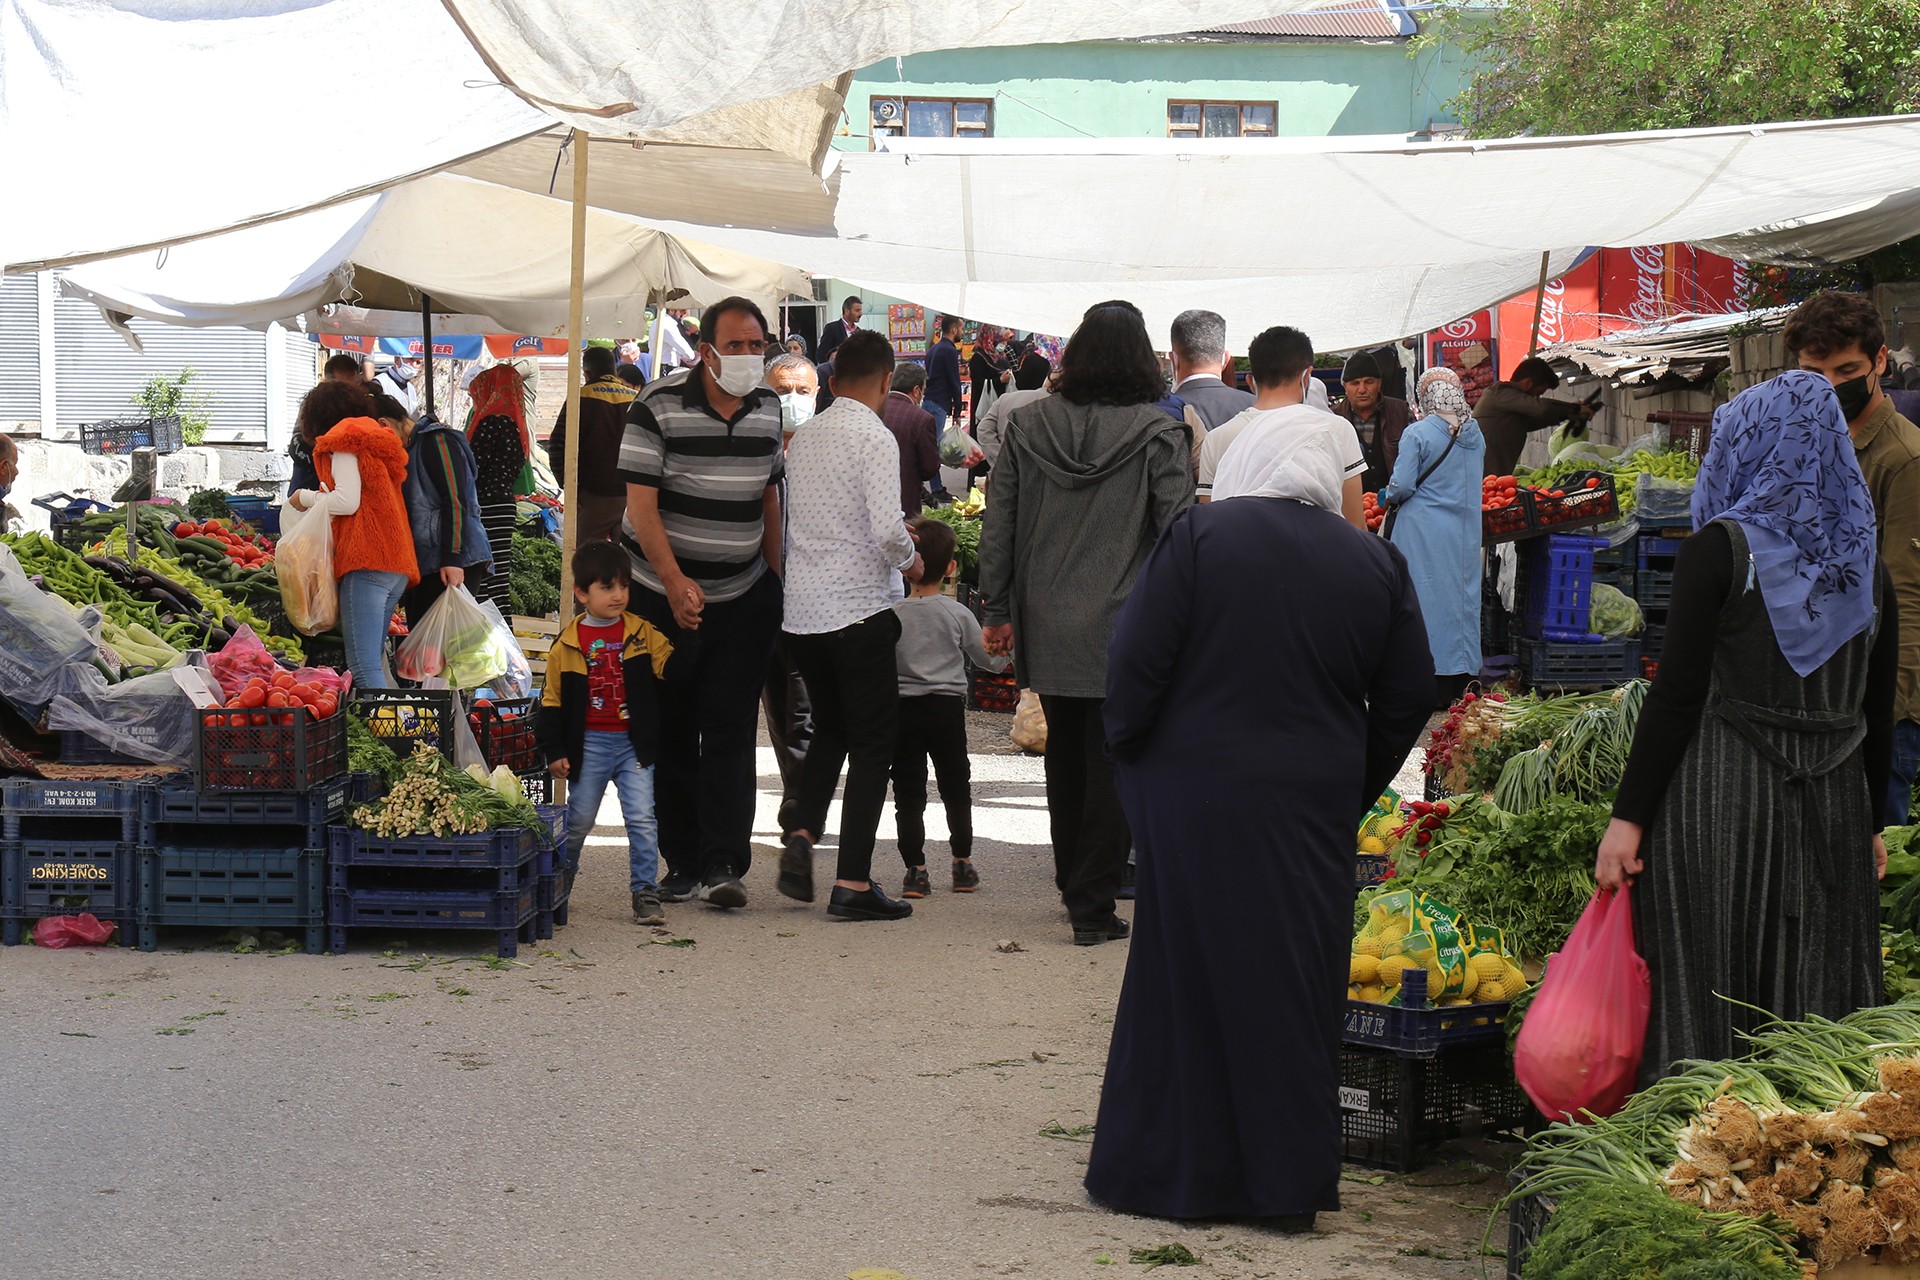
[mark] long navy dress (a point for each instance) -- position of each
(1266, 680)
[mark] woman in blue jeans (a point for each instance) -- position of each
(362, 464)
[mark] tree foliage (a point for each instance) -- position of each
(1602, 66)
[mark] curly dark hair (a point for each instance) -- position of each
(1110, 360)
(328, 405)
(1831, 322)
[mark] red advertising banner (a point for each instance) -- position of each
(1570, 311)
(1467, 347)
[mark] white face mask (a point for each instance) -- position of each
(737, 375)
(795, 408)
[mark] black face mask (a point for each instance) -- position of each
(1855, 395)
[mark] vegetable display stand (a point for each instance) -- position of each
(98, 811)
(1559, 588)
(504, 729)
(1416, 1029)
(41, 878)
(227, 888)
(112, 437)
(284, 749)
(994, 691)
(402, 717)
(176, 814)
(1550, 665)
(1395, 1110)
(1527, 1220)
(1587, 498)
(506, 915)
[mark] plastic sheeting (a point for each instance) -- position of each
(145, 124)
(478, 250)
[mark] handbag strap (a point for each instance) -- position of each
(1393, 516)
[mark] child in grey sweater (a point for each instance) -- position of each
(937, 637)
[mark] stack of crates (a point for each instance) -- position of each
(1558, 651)
(246, 860)
(504, 730)
(1657, 552)
(1414, 1076)
(67, 848)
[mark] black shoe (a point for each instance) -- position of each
(722, 888)
(870, 904)
(1092, 934)
(678, 887)
(965, 878)
(1125, 892)
(646, 908)
(796, 869)
(917, 885)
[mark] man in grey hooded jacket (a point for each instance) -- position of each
(1086, 479)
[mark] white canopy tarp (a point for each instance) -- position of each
(1352, 239)
(134, 126)
(487, 251)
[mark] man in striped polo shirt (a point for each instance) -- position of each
(702, 462)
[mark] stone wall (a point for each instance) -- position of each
(48, 467)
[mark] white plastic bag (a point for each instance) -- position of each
(457, 641)
(303, 561)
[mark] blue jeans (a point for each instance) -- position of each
(368, 598)
(1906, 762)
(608, 757)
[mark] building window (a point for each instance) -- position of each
(1221, 119)
(932, 118)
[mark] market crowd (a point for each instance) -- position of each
(1230, 667)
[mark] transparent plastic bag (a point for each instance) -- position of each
(147, 718)
(1614, 614)
(240, 660)
(1658, 498)
(457, 642)
(40, 635)
(1579, 1049)
(957, 445)
(517, 680)
(303, 561)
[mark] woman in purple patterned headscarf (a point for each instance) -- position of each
(1746, 819)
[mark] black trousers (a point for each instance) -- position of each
(705, 783)
(856, 704)
(932, 725)
(1090, 837)
(789, 728)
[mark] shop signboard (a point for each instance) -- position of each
(1466, 346)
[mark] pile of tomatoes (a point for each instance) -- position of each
(1497, 493)
(248, 550)
(1375, 513)
(317, 690)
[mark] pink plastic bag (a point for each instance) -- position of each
(71, 931)
(239, 660)
(1580, 1046)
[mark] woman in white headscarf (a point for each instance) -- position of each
(1435, 521)
(1296, 452)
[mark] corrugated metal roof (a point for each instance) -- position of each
(1353, 19)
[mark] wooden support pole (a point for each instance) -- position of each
(1539, 301)
(576, 339)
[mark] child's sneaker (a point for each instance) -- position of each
(646, 907)
(916, 884)
(965, 878)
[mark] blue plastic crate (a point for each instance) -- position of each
(509, 915)
(172, 811)
(1559, 588)
(36, 810)
(232, 889)
(1549, 665)
(552, 901)
(1654, 588)
(1416, 1029)
(59, 877)
(489, 850)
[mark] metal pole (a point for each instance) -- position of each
(576, 325)
(1539, 301)
(426, 344)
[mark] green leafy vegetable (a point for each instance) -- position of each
(1634, 1231)
(533, 584)
(966, 533)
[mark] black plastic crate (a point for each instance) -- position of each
(504, 729)
(232, 889)
(994, 691)
(102, 810)
(66, 877)
(1395, 1111)
(1580, 506)
(1527, 1219)
(115, 436)
(365, 788)
(486, 851)
(402, 717)
(508, 915)
(538, 786)
(276, 749)
(1549, 665)
(80, 748)
(174, 812)
(1416, 1029)
(66, 518)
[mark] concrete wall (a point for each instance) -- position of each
(48, 467)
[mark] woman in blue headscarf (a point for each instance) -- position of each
(1746, 818)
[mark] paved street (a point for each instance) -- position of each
(757, 1094)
